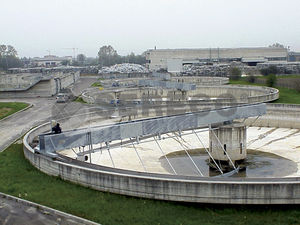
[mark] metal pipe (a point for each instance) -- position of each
(138, 156)
(208, 153)
(165, 155)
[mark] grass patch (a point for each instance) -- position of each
(8, 108)
(97, 84)
(19, 178)
(80, 99)
(286, 95)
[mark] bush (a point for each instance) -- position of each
(271, 80)
(235, 73)
(269, 70)
(297, 84)
(251, 79)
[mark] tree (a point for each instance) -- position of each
(65, 62)
(276, 45)
(271, 80)
(8, 57)
(235, 73)
(81, 59)
(251, 79)
(269, 70)
(107, 55)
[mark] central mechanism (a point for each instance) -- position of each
(227, 145)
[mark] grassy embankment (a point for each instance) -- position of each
(19, 178)
(286, 95)
(8, 108)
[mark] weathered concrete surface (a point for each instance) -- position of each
(279, 115)
(221, 93)
(16, 211)
(168, 187)
(280, 141)
(35, 85)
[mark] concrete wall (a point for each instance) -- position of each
(278, 115)
(199, 81)
(167, 187)
(45, 87)
(226, 93)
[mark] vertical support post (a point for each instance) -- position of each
(165, 156)
(107, 145)
(138, 156)
(208, 152)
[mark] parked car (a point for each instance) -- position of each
(62, 98)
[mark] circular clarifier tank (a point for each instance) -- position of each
(257, 164)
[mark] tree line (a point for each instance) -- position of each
(9, 57)
(108, 56)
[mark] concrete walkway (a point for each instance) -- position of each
(18, 124)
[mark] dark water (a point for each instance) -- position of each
(257, 164)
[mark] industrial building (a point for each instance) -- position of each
(173, 59)
(50, 60)
(294, 56)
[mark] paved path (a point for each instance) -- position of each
(43, 110)
(15, 211)
(17, 125)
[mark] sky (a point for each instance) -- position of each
(37, 27)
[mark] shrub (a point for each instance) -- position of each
(251, 79)
(271, 80)
(269, 70)
(235, 73)
(297, 84)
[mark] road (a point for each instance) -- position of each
(18, 124)
(43, 110)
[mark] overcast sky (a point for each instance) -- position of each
(35, 26)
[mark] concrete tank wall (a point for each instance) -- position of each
(167, 187)
(224, 93)
(45, 87)
(278, 115)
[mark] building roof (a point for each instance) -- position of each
(52, 58)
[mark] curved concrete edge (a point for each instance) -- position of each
(262, 93)
(173, 188)
(22, 110)
(46, 209)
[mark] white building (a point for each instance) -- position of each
(50, 61)
(159, 58)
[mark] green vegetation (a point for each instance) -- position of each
(19, 178)
(8, 108)
(80, 99)
(269, 70)
(97, 84)
(108, 56)
(8, 57)
(235, 73)
(271, 80)
(286, 95)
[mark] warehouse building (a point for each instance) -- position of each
(173, 59)
(51, 61)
